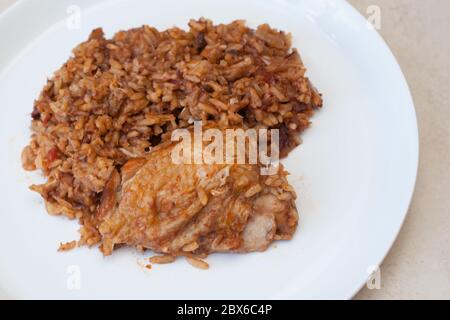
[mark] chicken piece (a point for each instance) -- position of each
(180, 209)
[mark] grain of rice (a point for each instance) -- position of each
(203, 197)
(219, 104)
(198, 263)
(285, 196)
(162, 259)
(253, 190)
(191, 247)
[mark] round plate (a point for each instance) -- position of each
(354, 173)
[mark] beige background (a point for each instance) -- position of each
(418, 265)
(418, 32)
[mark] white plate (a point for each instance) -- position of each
(354, 174)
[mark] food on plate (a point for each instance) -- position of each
(194, 208)
(99, 121)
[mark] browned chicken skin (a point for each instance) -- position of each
(187, 208)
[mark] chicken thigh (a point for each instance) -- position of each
(195, 208)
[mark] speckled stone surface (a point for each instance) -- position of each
(418, 266)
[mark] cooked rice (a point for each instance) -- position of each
(67, 246)
(198, 263)
(116, 99)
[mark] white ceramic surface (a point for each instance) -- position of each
(354, 173)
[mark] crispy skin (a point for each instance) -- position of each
(175, 209)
